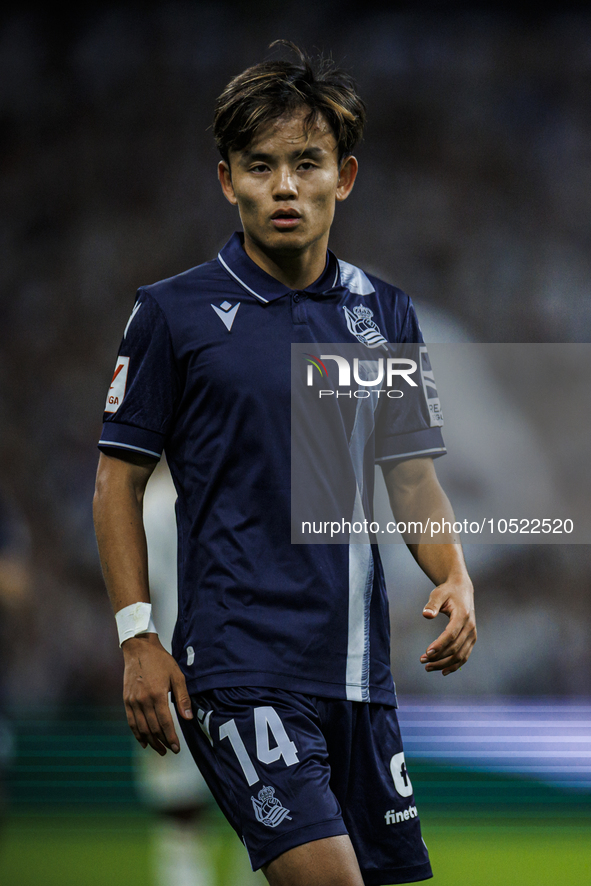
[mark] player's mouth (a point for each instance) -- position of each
(285, 219)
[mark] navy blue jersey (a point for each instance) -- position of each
(204, 372)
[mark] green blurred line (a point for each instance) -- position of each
(73, 784)
(25, 806)
(72, 753)
(56, 769)
(100, 739)
(61, 727)
(45, 816)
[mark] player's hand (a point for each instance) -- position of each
(455, 598)
(150, 674)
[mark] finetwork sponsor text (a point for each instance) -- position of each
(395, 817)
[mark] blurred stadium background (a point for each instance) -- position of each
(474, 197)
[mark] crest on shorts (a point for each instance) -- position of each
(268, 809)
(361, 325)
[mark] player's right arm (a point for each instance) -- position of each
(150, 671)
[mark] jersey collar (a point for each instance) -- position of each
(263, 286)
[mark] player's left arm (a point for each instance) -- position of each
(416, 496)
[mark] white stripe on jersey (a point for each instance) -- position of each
(360, 585)
(360, 557)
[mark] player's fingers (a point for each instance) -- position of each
(444, 598)
(451, 663)
(434, 603)
(182, 699)
(139, 727)
(133, 726)
(155, 726)
(464, 641)
(462, 625)
(444, 642)
(167, 730)
(145, 728)
(442, 664)
(458, 660)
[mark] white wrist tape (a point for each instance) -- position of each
(134, 620)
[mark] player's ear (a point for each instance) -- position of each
(347, 175)
(225, 177)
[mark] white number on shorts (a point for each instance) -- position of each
(265, 719)
(400, 775)
(230, 730)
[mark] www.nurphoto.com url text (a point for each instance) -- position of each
(437, 528)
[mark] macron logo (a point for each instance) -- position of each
(226, 313)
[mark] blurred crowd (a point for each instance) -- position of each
(474, 196)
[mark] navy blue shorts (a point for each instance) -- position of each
(287, 768)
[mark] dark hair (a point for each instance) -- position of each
(266, 91)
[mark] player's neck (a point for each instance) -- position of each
(295, 270)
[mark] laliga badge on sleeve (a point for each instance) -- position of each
(118, 383)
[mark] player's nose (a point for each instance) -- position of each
(284, 184)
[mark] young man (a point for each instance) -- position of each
(280, 667)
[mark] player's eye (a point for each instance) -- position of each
(306, 165)
(259, 167)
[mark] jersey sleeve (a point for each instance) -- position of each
(410, 426)
(144, 389)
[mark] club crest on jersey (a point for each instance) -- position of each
(361, 325)
(268, 809)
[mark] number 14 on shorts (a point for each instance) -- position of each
(266, 722)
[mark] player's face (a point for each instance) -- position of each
(285, 184)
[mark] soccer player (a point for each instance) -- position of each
(280, 669)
